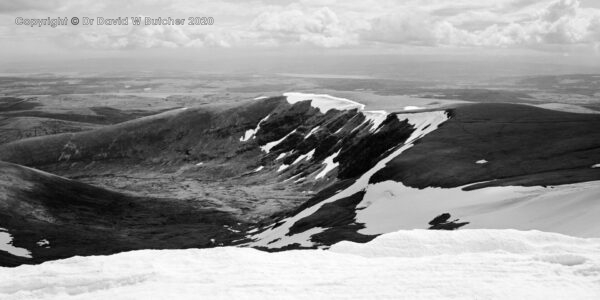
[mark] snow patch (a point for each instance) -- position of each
(329, 165)
(481, 162)
(261, 97)
(324, 102)
(282, 155)
(307, 156)
(376, 117)
(259, 168)
(7, 246)
(247, 136)
(268, 146)
(292, 178)
(596, 166)
(199, 164)
(412, 107)
(312, 131)
(43, 243)
(230, 229)
(302, 239)
(251, 133)
(282, 167)
(423, 123)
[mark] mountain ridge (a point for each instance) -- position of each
(280, 174)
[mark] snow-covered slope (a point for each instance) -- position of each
(323, 102)
(569, 209)
(418, 264)
(279, 236)
(503, 185)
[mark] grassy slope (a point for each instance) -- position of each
(173, 134)
(523, 146)
(80, 219)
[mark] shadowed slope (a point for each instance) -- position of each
(508, 143)
(80, 219)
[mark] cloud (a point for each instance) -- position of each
(561, 9)
(401, 28)
(145, 37)
(366, 24)
(561, 22)
(321, 27)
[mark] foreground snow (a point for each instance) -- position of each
(417, 264)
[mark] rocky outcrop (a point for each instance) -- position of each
(442, 222)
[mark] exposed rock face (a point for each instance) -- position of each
(441, 223)
(443, 218)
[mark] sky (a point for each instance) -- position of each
(245, 31)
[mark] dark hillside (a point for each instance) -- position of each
(522, 145)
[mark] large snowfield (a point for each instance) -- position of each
(568, 209)
(415, 264)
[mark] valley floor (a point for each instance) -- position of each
(247, 202)
(414, 264)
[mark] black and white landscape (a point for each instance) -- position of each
(394, 150)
